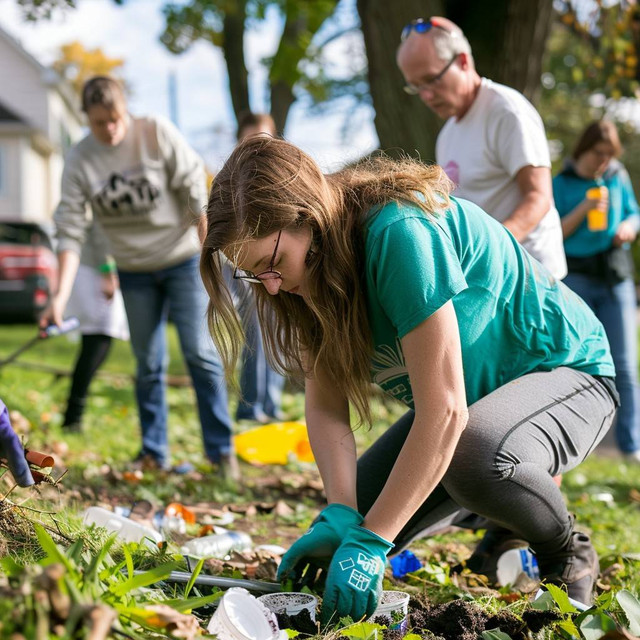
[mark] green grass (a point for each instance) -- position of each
(604, 493)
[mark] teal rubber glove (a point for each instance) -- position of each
(319, 543)
(354, 581)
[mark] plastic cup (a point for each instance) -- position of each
(291, 603)
(394, 606)
(240, 616)
(596, 218)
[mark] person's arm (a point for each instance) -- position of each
(331, 438)
(574, 218)
(534, 184)
(72, 223)
(434, 362)
(627, 230)
(185, 169)
(12, 451)
(68, 262)
(334, 449)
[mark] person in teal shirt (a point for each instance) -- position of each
(376, 274)
(600, 219)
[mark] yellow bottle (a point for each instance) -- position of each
(275, 444)
(596, 218)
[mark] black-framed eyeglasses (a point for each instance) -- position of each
(420, 25)
(415, 89)
(257, 278)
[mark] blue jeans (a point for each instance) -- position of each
(151, 298)
(260, 386)
(615, 307)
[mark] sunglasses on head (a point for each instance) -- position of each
(420, 25)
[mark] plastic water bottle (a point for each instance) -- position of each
(218, 545)
(514, 562)
(127, 530)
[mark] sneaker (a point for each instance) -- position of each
(253, 416)
(484, 559)
(228, 467)
(576, 567)
(182, 468)
(146, 462)
(72, 427)
(73, 415)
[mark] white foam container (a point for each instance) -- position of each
(240, 616)
(290, 602)
(393, 605)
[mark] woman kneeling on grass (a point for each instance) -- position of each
(375, 273)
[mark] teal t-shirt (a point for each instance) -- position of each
(514, 317)
(569, 190)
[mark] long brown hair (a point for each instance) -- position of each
(267, 185)
(596, 132)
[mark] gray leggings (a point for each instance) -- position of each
(517, 438)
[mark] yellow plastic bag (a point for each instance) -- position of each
(276, 443)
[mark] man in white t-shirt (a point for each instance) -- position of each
(493, 145)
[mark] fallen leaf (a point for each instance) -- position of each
(60, 448)
(19, 423)
(634, 495)
(179, 625)
(282, 509)
(132, 477)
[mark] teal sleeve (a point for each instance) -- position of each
(630, 209)
(415, 270)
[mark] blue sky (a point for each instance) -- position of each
(204, 108)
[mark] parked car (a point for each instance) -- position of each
(28, 271)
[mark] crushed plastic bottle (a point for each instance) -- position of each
(126, 529)
(218, 545)
(514, 562)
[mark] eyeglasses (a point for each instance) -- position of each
(257, 278)
(415, 89)
(420, 25)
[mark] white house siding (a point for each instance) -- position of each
(64, 127)
(36, 205)
(31, 91)
(23, 91)
(9, 182)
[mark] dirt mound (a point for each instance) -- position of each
(462, 620)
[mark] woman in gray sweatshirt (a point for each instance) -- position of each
(146, 187)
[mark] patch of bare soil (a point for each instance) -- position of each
(462, 620)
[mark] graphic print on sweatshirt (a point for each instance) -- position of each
(130, 196)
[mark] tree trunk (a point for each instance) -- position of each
(303, 18)
(233, 49)
(403, 123)
(527, 29)
(508, 42)
(281, 100)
